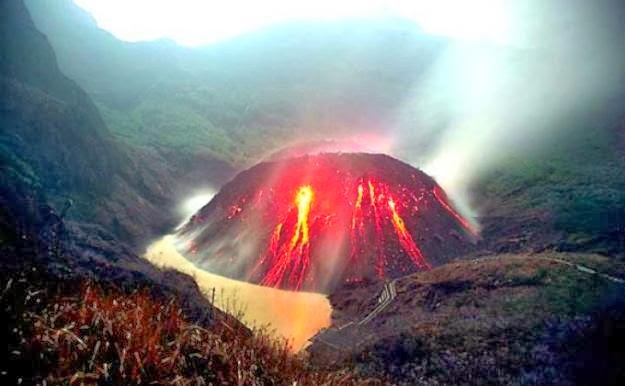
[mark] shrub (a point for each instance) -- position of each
(90, 333)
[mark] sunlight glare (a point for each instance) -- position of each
(199, 22)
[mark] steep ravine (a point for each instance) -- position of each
(72, 199)
(73, 202)
(53, 140)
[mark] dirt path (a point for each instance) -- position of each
(582, 268)
(389, 293)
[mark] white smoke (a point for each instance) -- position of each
(193, 203)
(483, 101)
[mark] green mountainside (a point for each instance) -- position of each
(57, 150)
(570, 198)
(241, 98)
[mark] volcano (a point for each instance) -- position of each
(319, 221)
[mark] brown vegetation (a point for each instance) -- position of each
(93, 333)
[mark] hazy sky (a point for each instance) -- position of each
(197, 22)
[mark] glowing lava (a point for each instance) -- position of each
(406, 239)
(294, 256)
(358, 226)
(379, 234)
(442, 199)
(316, 222)
(303, 200)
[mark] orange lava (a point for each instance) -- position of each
(290, 261)
(358, 226)
(292, 258)
(318, 220)
(442, 199)
(379, 233)
(288, 255)
(406, 239)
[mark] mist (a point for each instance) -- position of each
(193, 202)
(483, 101)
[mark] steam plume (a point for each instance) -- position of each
(483, 101)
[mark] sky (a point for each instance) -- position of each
(200, 22)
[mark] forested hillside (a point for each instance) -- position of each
(240, 99)
(57, 150)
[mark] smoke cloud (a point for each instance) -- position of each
(483, 101)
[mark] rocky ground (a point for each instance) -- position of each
(368, 215)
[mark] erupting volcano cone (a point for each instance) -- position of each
(315, 222)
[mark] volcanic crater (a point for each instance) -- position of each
(320, 221)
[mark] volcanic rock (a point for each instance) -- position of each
(317, 222)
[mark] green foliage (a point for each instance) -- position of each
(521, 320)
(238, 99)
(574, 295)
(578, 178)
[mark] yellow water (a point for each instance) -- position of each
(296, 316)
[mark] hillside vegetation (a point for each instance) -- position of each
(505, 319)
(54, 143)
(569, 198)
(84, 332)
(241, 98)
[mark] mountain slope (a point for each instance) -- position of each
(240, 98)
(53, 140)
(569, 198)
(62, 177)
(507, 319)
(49, 126)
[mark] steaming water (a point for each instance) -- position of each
(296, 316)
(192, 205)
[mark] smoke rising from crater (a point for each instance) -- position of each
(481, 101)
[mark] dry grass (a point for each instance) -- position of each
(507, 319)
(98, 334)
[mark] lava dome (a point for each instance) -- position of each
(319, 221)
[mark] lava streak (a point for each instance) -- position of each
(441, 198)
(294, 257)
(382, 212)
(303, 200)
(406, 239)
(379, 233)
(358, 226)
